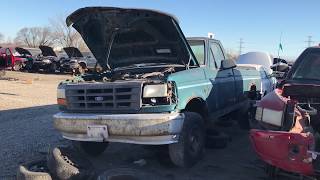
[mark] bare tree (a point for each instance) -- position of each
(232, 54)
(34, 36)
(66, 36)
(1, 37)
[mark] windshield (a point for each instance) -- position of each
(309, 67)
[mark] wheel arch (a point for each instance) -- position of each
(197, 105)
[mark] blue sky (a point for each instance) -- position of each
(259, 23)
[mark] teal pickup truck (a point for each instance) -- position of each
(154, 87)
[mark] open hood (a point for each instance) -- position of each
(73, 52)
(47, 51)
(121, 37)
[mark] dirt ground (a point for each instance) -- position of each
(27, 103)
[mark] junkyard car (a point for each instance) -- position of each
(15, 58)
(46, 61)
(156, 88)
(287, 120)
(74, 63)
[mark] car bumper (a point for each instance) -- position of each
(153, 129)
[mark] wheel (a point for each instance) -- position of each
(53, 68)
(65, 164)
(36, 170)
(93, 148)
(28, 66)
(82, 68)
(17, 66)
(243, 118)
(190, 147)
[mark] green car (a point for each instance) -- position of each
(154, 87)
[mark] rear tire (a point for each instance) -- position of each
(53, 67)
(190, 147)
(93, 148)
(17, 67)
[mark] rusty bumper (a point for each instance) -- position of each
(161, 128)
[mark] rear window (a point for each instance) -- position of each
(198, 50)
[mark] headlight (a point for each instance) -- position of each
(155, 90)
(47, 61)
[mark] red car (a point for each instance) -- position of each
(13, 58)
(287, 120)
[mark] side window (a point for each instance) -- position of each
(8, 53)
(212, 61)
(217, 53)
(198, 50)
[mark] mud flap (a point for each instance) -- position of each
(287, 151)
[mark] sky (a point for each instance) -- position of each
(259, 23)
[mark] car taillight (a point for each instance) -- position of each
(269, 116)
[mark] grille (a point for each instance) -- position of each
(104, 97)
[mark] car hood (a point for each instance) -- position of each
(47, 51)
(73, 52)
(133, 36)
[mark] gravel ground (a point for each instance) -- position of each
(26, 133)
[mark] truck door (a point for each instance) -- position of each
(224, 79)
(2, 58)
(9, 58)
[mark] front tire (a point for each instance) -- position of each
(93, 148)
(53, 67)
(190, 147)
(17, 67)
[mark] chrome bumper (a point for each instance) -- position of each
(153, 129)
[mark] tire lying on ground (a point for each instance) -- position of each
(66, 164)
(190, 147)
(36, 170)
(125, 174)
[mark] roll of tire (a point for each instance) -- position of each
(65, 164)
(126, 174)
(36, 170)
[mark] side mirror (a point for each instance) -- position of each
(280, 66)
(227, 64)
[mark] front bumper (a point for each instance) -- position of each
(153, 129)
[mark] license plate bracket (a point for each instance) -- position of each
(97, 131)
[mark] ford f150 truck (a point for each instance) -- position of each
(155, 88)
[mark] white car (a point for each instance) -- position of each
(268, 82)
(261, 58)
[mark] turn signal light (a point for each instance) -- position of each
(62, 101)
